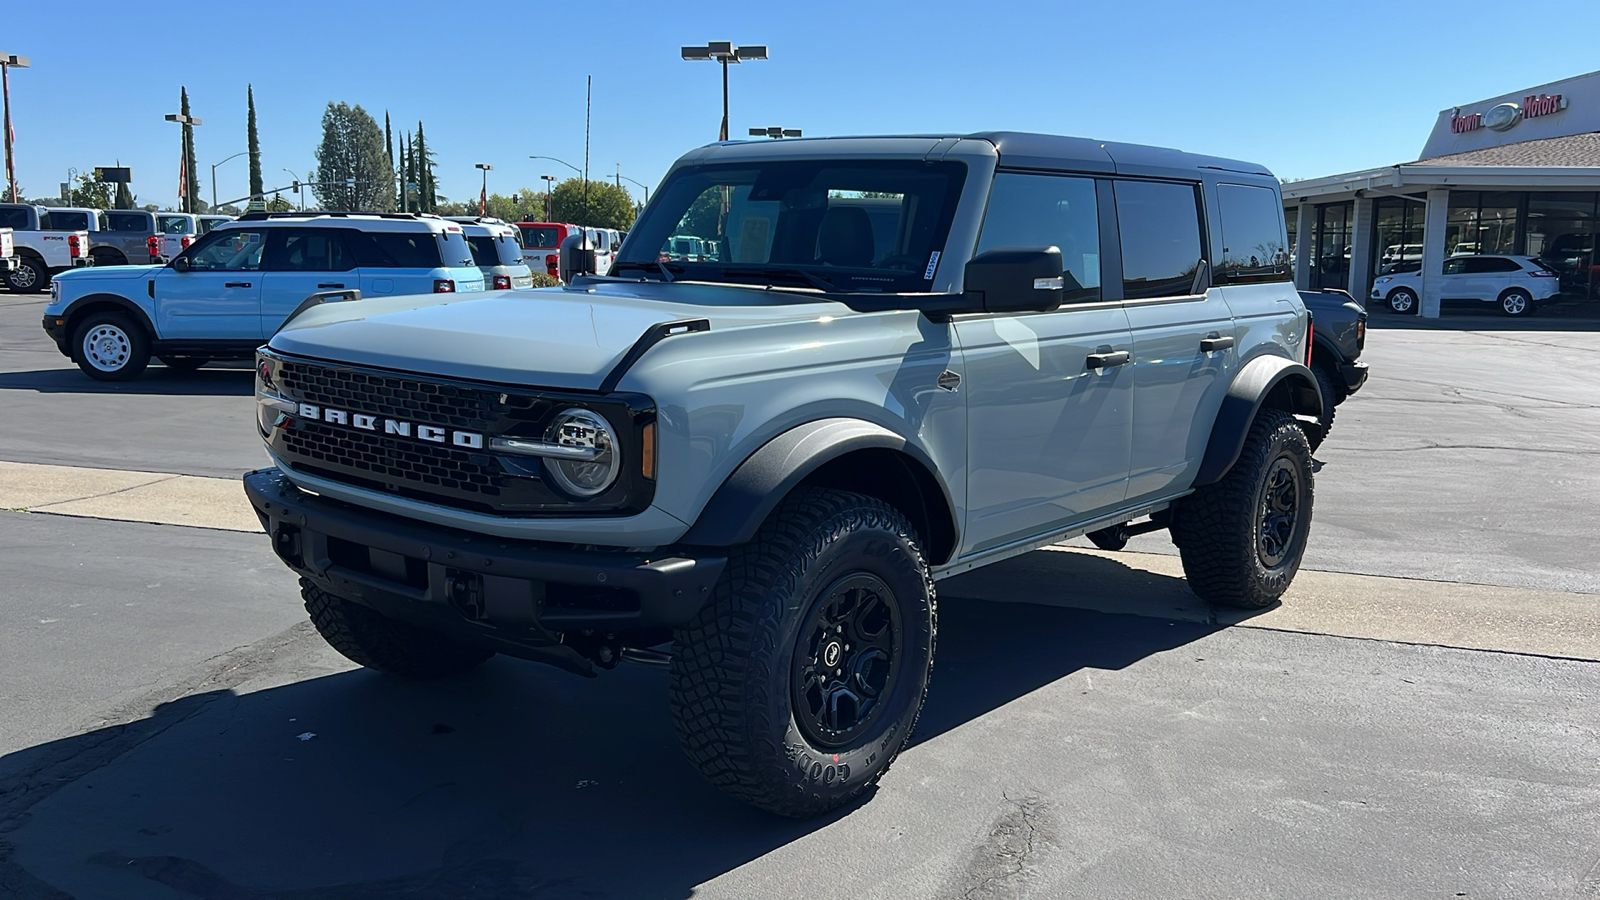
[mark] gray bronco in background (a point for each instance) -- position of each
(912, 356)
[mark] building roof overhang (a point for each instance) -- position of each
(1415, 177)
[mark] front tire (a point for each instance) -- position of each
(370, 639)
(1403, 301)
(1242, 538)
(110, 346)
(1516, 302)
(29, 277)
(800, 681)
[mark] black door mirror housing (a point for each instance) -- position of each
(1015, 280)
(179, 264)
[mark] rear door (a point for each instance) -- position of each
(1173, 312)
(219, 298)
(1048, 435)
(1456, 282)
(301, 262)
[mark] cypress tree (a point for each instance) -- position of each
(430, 198)
(254, 146)
(388, 148)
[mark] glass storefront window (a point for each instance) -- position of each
(1330, 259)
(1397, 235)
(1481, 222)
(1560, 232)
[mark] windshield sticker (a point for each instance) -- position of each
(933, 263)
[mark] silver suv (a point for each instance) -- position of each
(911, 357)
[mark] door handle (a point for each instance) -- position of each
(237, 284)
(1108, 360)
(1213, 344)
(331, 285)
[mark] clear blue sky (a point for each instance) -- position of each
(1307, 88)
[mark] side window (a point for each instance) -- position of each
(311, 250)
(1159, 225)
(1252, 235)
(125, 222)
(235, 250)
(15, 217)
(1456, 266)
(1048, 211)
(1497, 264)
(394, 249)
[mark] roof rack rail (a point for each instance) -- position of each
(259, 216)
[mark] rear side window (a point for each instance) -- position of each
(1159, 227)
(69, 221)
(121, 221)
(311, 250)
(1252, 235)
(15, 217)
(1048, 211)
(542, 237)
(394, 249)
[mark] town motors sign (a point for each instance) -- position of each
(1505, 116)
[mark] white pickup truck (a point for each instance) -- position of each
(40, 252)
(8, 255)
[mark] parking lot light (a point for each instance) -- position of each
(9, 61)
(483, 198)
(724, 52)
(187, 122)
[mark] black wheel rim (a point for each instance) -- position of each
(846, 660)
(1280, 512)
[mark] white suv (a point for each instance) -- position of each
(1514, 283)
(498, 253)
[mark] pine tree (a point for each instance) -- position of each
(124, 197)
(191, 174)
(352, 173)
(254, 146)
(388, 148)
(425, 183)
(406, 174)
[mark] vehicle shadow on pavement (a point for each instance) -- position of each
(514, 780)
(210, 382)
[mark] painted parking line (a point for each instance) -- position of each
(1405, 610)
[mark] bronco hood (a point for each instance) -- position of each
(107, 273)
(556, 337)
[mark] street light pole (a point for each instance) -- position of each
(726, 53)
(483, 198)
(7, 61)
(640, 184)
(214, 177)
(548, 180)
(187, 122)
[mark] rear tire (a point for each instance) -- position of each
(370, 639)
(1403, 301)
(1330, 399)
(798, 684)
(1516, 303)
(110, 346)
(1242, 538)
(30, 276)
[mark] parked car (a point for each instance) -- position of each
(178, 231)
(541, 245)
(1396, 253)
(117, 237)
(1339, 334)
(231, 289)
(770, 464)
(498, 253)
(1515, 284)
(206, 223)
(42, 252)
(1399, 267)
(684, 248)
(605, 242)
(8, 248)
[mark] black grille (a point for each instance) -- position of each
(388, 459)
(456, 406)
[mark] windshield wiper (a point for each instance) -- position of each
(657, 266)
(812, 279)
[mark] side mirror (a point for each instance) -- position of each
(1014, 280)
(180, 264)
(576, 257)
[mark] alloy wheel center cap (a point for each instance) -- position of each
(831, 654)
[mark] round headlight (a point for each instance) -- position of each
(589, 473)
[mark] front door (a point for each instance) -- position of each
(1049, 398)
(302, 262)
(219, 298)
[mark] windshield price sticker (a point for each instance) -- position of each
(933, 263)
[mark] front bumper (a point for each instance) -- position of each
(517, 597)
(8, 263)
(56, 328)
(1354, 375)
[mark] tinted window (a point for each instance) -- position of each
(483, 251)
(69, 221)
(227, 251)
(1497, 264)
(453, 249)
(1252, 235)
(14, 217)
(1455, 266)
(173, 224)
(394, 249)
(311, 250)
(1159, 225)
(510, 250)
(123, 221)
(1048, 211)
(542, 237)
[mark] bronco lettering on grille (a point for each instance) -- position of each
(471, 440)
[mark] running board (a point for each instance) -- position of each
(1032, 544)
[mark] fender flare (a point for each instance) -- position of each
(75, 308)
(1262, 378)
(1326, 345)
(749, 495)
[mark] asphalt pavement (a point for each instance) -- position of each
(170, 727)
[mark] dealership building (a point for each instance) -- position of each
(1516, 174)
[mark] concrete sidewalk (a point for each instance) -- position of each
(154, 497)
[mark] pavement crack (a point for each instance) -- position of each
(132, 487)
(1495, 447)
(1001, 865)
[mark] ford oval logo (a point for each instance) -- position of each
(1502, 117)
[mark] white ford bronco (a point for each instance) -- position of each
(910, 357)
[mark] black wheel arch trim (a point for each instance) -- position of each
(1264, 378)
(1325, 344)
(756, 487)
(77, 307)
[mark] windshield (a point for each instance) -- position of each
(540, 237)
(856, 226)
(174, 224)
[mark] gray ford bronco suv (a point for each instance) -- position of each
(911, 357)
